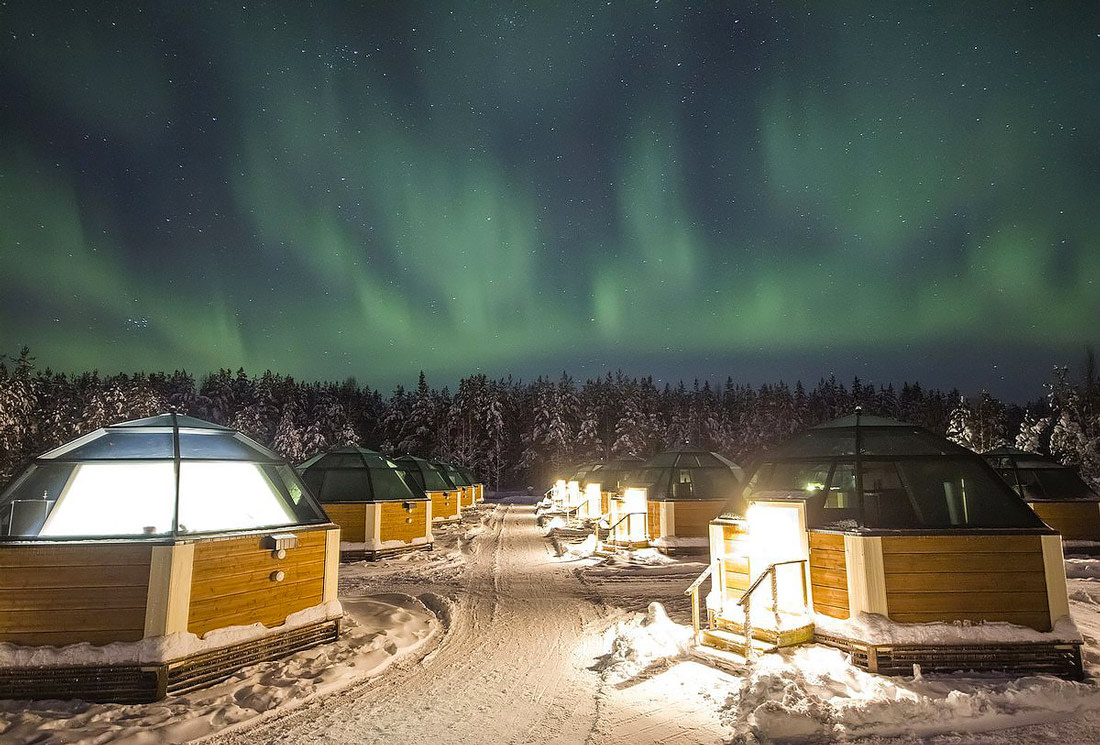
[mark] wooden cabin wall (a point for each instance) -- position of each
(352, 519)
(231, 581)
(64, 594)
(735, 559)
(467, 496)
(605, 503)
(399, 524)
(445, 505)
(966, 577)
(692, 517)
(829, 574)
(653, 519)
(1075, 520)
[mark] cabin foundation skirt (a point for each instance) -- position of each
(374, 554)
(144, 683)
(1062, 659)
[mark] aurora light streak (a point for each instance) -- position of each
(775, 190)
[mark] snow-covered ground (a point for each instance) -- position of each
(506, 634)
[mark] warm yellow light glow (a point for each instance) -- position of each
(634, 504)
(103, 499)
(592, 499)
(557, 494)
(814, 486)
(573, 493)
(228, 496)
(776, 534)
(115, 499)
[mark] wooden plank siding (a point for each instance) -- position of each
(692, 518)
(605, 503)
(966, 578)
(399, 524)
(352, 519)
(653, 519)
(65, 594)
(1076, 520)
(231, 581)
(735, 559)
(829, 574)
(445, 505)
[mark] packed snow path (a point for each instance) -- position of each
(512, 667)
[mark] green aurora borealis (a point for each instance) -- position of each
(764, 191)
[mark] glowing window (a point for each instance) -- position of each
(228, 496)
(114, 499)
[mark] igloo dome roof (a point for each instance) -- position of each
(354, 474)
(165, 475)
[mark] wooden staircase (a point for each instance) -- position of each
(766, 632)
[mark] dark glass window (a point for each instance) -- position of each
(342, 460)
(388, 484)
(802, 477)
(1063, 483)
(433, 480)
(221, 446)
(345, 485)
(32, 498)
(714, 483)
(314, 477)
(956, 492)
(122, 445)
(1030, 487)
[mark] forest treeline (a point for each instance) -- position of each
(516, 433)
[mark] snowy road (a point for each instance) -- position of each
(513, 667)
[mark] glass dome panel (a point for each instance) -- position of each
(229, 496)
(389, 484)
(121, 481)
(119, 445)
(344, 485)
(113, 498)
(1063, 483)
(218, 446)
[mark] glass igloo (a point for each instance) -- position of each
(354, 474)
(159, 476)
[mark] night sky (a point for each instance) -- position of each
(765, 190)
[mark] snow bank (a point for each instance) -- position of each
(642, 643)
(377, 631)
(641, 557)
(881, 630)
(681, 543)
(556, 523)
(813, 692)
(160, 648)
(1082, 568)
(582, 550)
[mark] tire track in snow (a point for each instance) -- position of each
(505, 673)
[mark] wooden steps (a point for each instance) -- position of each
(729, 641)
(728, 635)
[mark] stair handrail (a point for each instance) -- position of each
(746, 599)
(626, 516)
(693, 592)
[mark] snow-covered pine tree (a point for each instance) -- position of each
(291, 439)
(1075, 437)
(494, 436)
(960, 425)
(633, 429)
(420, 438)
(395, 421)
(18, 406)
(988, 423)
(1034, 434)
